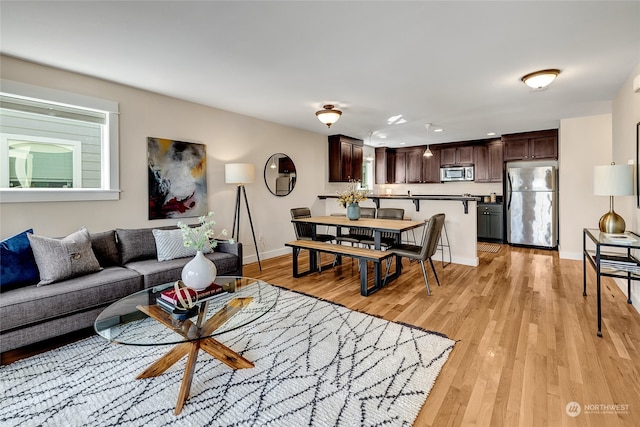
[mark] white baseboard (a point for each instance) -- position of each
(473, 262)
(635, 292)
(570, 255)
(248, 259)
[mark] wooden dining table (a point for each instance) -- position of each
(378, 226)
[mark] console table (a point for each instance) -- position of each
(617, 264)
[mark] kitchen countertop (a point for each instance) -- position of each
(415, 198)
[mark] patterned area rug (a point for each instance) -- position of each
(488, 247)
(316, 364)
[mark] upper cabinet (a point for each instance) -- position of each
(489, 160)
(431, 166)
(408, 165)
(385, 160)
(531, 145)
(345, 158)
(453, 156)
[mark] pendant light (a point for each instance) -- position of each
(427, 152)
(328, 115)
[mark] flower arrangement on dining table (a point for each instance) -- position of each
(201, 238)
(352, 195)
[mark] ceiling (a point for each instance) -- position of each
(454, 64)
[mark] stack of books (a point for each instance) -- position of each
(618, 262)
(624, 239)
(169, 301)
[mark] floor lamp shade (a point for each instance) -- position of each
(239, 173)
(612, 180)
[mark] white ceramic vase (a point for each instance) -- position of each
(199, 273)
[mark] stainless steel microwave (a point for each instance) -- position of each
(456, 173)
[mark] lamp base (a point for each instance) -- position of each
(611, 222)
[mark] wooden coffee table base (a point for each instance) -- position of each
(190, 348)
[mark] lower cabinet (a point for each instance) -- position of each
(490, 223)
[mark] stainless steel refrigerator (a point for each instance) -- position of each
(532, 206)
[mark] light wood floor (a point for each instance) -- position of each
(526, 337)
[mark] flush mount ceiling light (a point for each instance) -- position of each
(328, 116)
(540, 79)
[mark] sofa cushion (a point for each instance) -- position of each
(31, 304)
(156, 273)
(170, 245)
(60, 259)
(17, 264)
(105, 248)
(135, 244)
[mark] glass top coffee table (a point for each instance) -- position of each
(138, 320)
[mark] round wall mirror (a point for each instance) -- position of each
(280, 174)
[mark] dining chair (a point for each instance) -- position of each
(356, 234)
(305, 232)
(388, 239)
(425, 251)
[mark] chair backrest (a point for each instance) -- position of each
(432, 231)
(364, 232)
(390, 213)
(303, 231)
(367, 212)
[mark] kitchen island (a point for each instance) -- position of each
(460, 222)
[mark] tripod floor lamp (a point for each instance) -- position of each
(241, 174)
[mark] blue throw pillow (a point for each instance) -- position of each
(17, 264)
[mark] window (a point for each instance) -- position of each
(56, 146)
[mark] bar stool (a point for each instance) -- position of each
(443, 244)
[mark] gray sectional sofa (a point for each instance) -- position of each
(128, 264)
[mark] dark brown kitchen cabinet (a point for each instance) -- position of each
(453, 156)
(431, 167)
(489, 161)
(414, 165)
(385, 165)
(400, 165)
(408, 165)
(345, 158)
(531, 145)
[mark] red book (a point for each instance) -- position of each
(170, 294)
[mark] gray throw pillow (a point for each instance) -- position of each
(59, 259)
(135, 244)
(105, 248)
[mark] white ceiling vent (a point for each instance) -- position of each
(636, 84)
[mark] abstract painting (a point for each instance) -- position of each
(177, 179)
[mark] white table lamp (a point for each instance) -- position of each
(612, 180)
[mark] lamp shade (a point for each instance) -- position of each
(613, 180)
(239, 173)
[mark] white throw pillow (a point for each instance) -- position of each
(169, 245)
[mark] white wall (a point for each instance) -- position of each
(626, 116)
(228, 137)
(584, 143)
